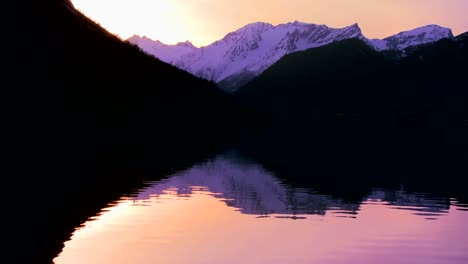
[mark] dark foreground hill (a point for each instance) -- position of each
(79, 75)
(89, 113)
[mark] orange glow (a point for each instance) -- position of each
(204, 21)
(203, 229)
(127, 18)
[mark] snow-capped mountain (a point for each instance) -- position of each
(166, 53)
(243, 54)
(418, 36)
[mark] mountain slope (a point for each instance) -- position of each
(90, 113)
(410, 38)
(344, 111)
(84, 70)
(330, 80)
(247, 52)
(349, 78)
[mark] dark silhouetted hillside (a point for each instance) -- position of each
(348, 79)
(80, 75)
(344, 114)
(340, 78)
(90, 114)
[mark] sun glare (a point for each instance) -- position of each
(123, 17)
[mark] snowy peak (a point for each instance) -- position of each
(253, 28)
(414, 37)
(260, 45)
(352, 31)
(186, 44)
(312, 35)
(167, 53)
(244, 40)
(144, 41)
(250, 50)
(248, 33)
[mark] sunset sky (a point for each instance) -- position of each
(205, 21)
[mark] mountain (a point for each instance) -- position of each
(89, 113)
(241, 55)
(81, 75)
(345, 112)
(415, 37)
(338, 78)
(165, 53)
(351, 80)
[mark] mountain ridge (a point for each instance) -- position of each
(349, 78)
(250, 50)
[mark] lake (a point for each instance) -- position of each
(231, 209)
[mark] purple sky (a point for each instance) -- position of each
(204, 21)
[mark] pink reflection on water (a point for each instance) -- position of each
(228, 211)
(203, 229)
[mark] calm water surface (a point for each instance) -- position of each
(229, 210)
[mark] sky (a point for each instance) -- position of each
(205, 21)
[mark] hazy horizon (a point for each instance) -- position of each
(204, 21)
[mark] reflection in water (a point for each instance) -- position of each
(229, 210)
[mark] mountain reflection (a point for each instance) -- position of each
(253, 190)
(231, 210)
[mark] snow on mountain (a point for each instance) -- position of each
(243, 54)
(251, 49)
(167, 53)
(418, 36)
